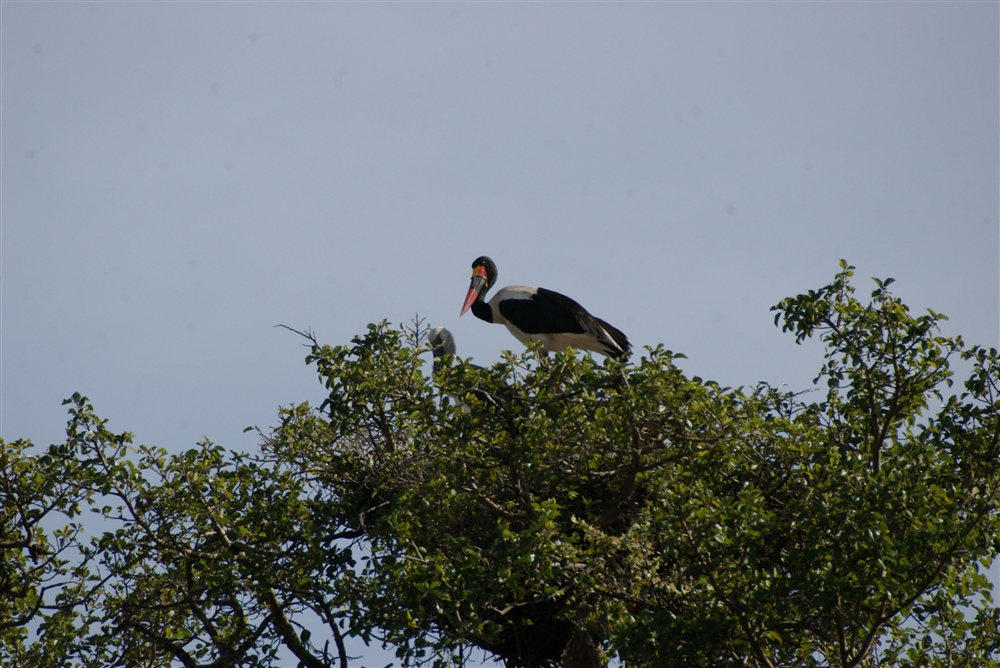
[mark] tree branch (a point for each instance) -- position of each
(284, 628)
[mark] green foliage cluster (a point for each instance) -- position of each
(562, 512)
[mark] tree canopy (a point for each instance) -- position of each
(563, 512)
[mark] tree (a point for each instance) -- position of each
(554, 513)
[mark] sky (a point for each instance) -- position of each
(177, 178)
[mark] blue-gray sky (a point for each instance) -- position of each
(178, 178)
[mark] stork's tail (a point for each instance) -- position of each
(616, 341)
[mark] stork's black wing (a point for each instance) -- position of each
(545, 312)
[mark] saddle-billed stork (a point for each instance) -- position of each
(442, 343)
(537, 314)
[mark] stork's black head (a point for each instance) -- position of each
(490, 267)
(484, 275)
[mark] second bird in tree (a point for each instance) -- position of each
(537, 314)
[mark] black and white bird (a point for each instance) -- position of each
(537, 314)
(442, 343)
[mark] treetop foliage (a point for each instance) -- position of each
(561, 512)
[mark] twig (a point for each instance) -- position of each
(308, 334)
